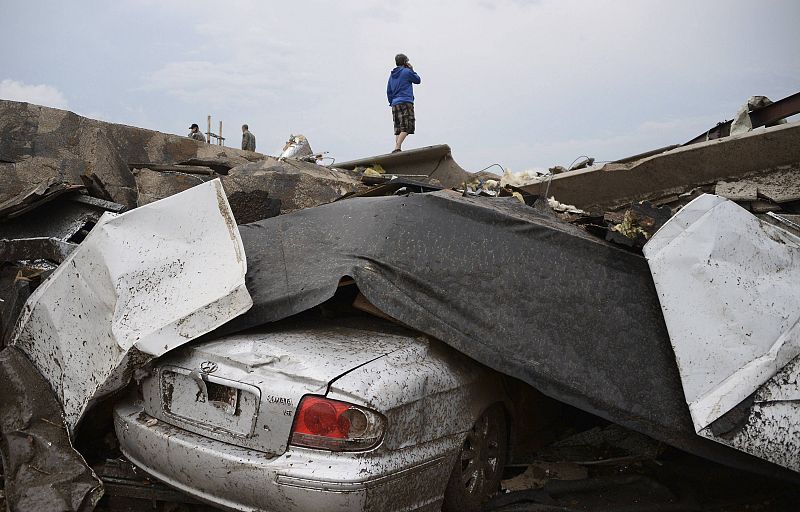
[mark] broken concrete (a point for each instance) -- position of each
(255, 190)
(42, 148)
(742, 190)
(155, 185)
(220, 158)
(778, 186)
(678, 170)
(39, 144)
(436, 162)
(294, 183)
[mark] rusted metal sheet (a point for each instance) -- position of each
(763, 116)
(140, 284)
(729, 287)
(781, 109)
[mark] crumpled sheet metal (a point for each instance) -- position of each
(770, 429)
(729, 287)
(42, 470)
(142, 283)
(514, 288)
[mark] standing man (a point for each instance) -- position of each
(400, 92)
(248, 139)
(196, 134)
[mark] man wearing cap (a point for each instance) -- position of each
(195, 133)
(248, 139)
(400, 93)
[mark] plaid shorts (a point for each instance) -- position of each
(403, 116)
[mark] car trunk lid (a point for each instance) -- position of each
(244, 389)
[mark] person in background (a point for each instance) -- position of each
(196, 134)
(400, 93)
(248, 139)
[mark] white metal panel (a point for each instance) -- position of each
(729, 288)
(150, 279)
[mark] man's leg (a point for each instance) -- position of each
(398, 140)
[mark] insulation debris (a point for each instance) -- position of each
(561, 207)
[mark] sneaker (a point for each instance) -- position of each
(397, 150)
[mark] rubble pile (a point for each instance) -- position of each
(772, 195)
(758, 170)
(674, 177)
(60, 172)
(293, 184)
(46, 153)
(40, 144)
(134, 243)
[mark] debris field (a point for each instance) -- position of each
(175, 316)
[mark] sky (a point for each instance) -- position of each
(525, 84)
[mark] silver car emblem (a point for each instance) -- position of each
(208, 367)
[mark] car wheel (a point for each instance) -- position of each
(479, 466)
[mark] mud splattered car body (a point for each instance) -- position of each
(364, 417)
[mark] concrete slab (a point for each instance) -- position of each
(728, 159)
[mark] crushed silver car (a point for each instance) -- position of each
(296, 417)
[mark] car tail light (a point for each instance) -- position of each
(333, 425)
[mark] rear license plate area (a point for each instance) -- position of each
(209, 401)
(224, 397)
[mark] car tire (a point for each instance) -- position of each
(479, 465)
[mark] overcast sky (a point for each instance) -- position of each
(527, 84)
